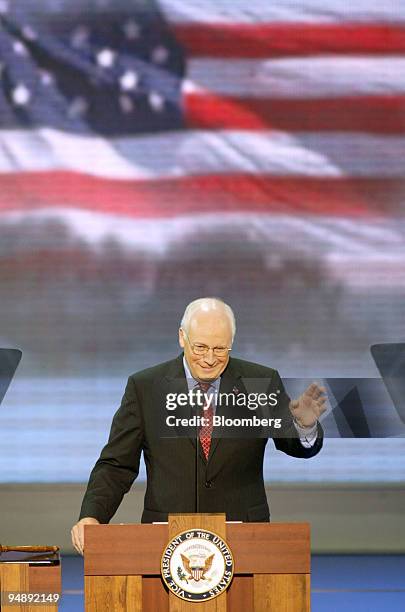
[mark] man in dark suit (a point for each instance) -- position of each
(230, 463)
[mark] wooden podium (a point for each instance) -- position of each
(271, 573)
(30, 575)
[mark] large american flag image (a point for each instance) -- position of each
(155, 151)
(152, 152)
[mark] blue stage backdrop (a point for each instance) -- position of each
(155, 151)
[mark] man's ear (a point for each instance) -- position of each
(181, 338)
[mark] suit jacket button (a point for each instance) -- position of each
(208, 484)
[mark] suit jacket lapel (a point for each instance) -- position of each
(176, 382)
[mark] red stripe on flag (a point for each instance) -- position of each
(294, 39)
(368, 114)
(217, 194)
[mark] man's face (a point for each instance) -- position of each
(211, 329)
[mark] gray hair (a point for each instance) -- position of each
(206, 304)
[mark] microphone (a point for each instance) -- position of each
(197, 471)
(197, 412)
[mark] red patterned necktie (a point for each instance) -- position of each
(208, 414)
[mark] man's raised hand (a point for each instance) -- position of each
(307, 409)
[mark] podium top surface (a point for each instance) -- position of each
(30, 558)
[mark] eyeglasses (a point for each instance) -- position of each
(203, 349)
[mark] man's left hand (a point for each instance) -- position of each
(307, 409)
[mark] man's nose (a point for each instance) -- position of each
(209, 357)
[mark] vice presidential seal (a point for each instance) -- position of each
(197, 565)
